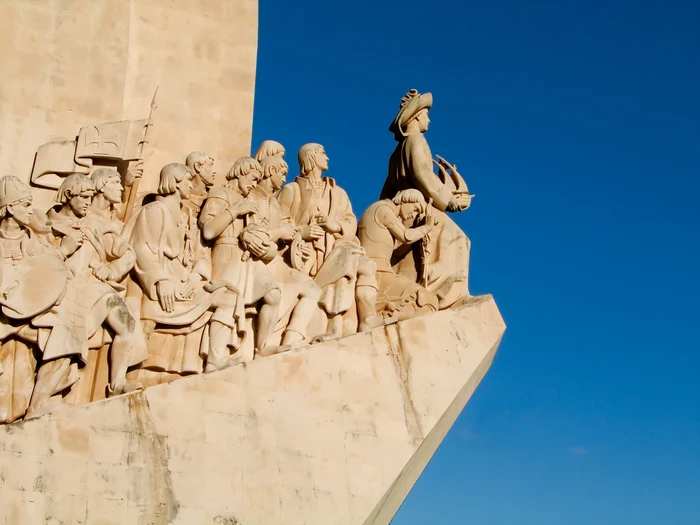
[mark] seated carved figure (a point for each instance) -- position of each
(238, 267)
(169, 286)
(446, 253)
(337, 262)
(387, 223)
(99, 259)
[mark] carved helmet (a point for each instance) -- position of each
(12, 190)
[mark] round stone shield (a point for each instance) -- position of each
(32, 286)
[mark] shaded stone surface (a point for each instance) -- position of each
(331, 433)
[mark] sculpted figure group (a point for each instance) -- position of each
(200, 277)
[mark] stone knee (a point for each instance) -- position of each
(311, 291)
(427, 299)
(365, 293)
(119, 318)
(366, 272)
(224, 315)
(273, 297)
(366, 285)
(148, 327)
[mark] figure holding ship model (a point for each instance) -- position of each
(445, 252)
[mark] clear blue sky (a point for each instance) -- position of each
(577, 126)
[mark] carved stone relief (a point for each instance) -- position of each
(110, 291)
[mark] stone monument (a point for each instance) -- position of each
(262, 356)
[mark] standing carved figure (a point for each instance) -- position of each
(337, 262)
(384, 225)
(269, 148)
(99, 264)
(33, 280)
(171, 292)
(238, 257)
(300, 294)
(446, 252)
(203, 175)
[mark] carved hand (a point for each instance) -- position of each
(306, 252)
(464, 200)
(330, 226)
(71, 242)
(242, 208)
(103, 272)
(431, 221)
(286, 232)
(133, 172)
(165, 290)
(312, 232)
(189, 287)
(258, 247)
(453, 206)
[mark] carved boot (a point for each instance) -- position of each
(273, 350)
(123, 386)
(219, 338)
(335, 329)
(366, 297)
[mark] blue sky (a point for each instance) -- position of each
(577, 126)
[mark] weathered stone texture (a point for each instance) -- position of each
(335, 433)
(72, 63)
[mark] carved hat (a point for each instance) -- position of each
(411, 104)
(12, 190)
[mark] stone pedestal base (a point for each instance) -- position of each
(335, 433)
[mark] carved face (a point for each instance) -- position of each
(79, 203)
(423, 120)
(184, 187)
(113, 190)
(248, 181)
(206, 171)
(322, 160)
(409, 211)
(22, 212)
(278, 178)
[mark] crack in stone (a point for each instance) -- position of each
(402, 363)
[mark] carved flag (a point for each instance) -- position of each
(114, 140)
(54, 161)
(111, 141)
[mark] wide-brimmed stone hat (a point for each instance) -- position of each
(411, 104)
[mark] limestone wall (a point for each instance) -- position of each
(73, 63)
(335, 433)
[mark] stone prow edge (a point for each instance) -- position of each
(389, 504)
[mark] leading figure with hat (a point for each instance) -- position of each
(444, 253)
